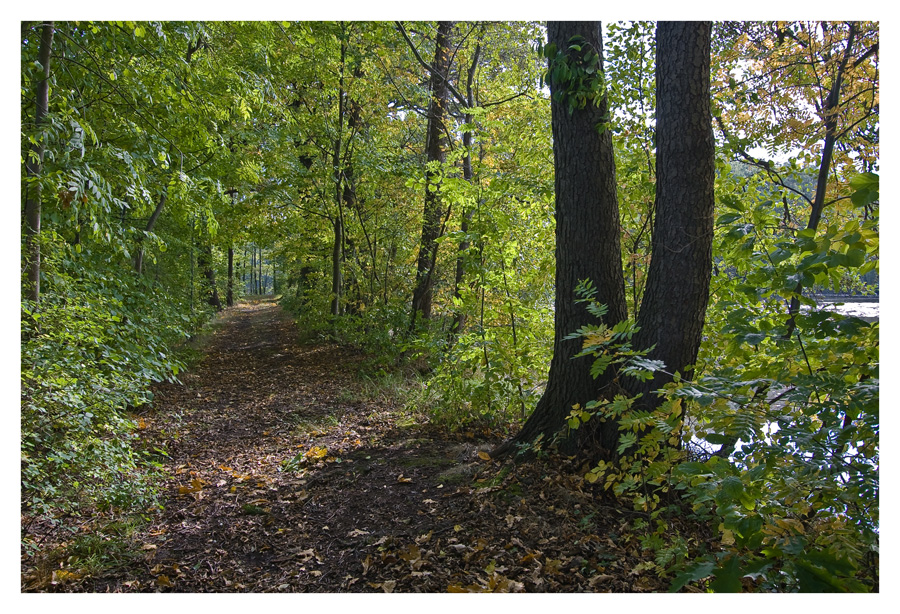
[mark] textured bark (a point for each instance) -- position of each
(434, 153)
(673, 307)
(33, 166)
(587, 247)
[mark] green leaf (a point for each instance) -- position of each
(728, 576)
(728, 218)
(696, 572)
(716, 439)
(856, 257)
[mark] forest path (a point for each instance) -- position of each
(285, 473)
(237, 519)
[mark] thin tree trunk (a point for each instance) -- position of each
(434, 150)
(831, 119)
(33, 167)
(252, 288)
(139, 252)
(459, 317)
(336, 279)
(205, 262)
(229, 292)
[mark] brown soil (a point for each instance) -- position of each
(366, 505)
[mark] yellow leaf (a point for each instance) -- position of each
(317, 452)
(403, 480)
(163, 580)
(484, 455)
(63, 575)
(727, 537)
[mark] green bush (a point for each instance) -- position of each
(90, 351)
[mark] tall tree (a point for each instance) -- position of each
(673, 307)
(33, 164)
(587, 225)
(587, 217)
(435, 146)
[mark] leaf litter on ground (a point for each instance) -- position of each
(282, 477)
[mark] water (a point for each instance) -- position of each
(868, 310)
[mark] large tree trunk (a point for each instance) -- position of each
(673, 307)
(434, 153)
(587, 247)
(33, 165)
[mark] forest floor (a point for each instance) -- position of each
(285, 473)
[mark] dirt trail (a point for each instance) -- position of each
(235, 518)
(283, 475)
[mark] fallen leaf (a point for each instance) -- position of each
(484, 455)
(163, 580)
(388, 586)
(403, 480)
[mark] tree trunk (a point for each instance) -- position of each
(459, 318)
(673, 307)
(229, 292)
(830, 112)
(587, 248)
(139, 252)
(336, 279)
(33, 165)
(205, 262)
(434, 153)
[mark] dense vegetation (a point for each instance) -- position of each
(394, 184)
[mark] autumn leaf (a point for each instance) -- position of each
(196, 486)
(403, 480)
(484, 455)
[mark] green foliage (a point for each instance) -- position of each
(792, 491)
(773, 448)
(575, 74)
(90, 350)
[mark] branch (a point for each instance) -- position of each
(763, 164)
(872, 50)
(459, 97)
(513, 97)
